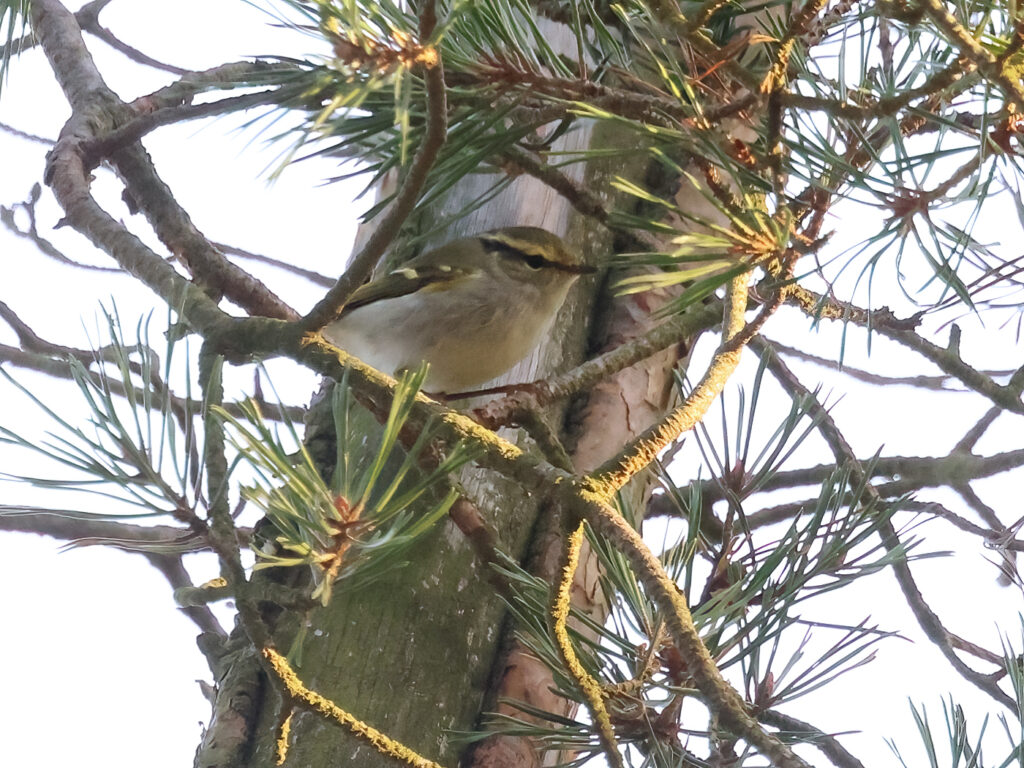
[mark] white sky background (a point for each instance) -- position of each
(122, 688)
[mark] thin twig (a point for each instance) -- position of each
(434, 136)
(172, 224)
(883, 322)
(826, 743)
(42, 244)
(927, 619)
(314, 277)
(17, 132)
(922, 382)
(91, 24)
(95, 109)
(135, 129)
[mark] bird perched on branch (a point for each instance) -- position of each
(471, 308)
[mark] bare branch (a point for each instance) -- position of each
(25, 135)
(41, 243)
(998, 539)
(83, 530)
(901, 331)
(161, 545)
(135, 129)
(927, 619)
(314, 277)
(68, 174)
(923, 382)
(89, 20)
(826, 743)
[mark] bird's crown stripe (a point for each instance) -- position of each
(517, 247)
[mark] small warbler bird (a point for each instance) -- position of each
(472, 308)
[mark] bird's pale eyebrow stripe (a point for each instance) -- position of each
(520, 251)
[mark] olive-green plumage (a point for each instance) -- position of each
(472, 308)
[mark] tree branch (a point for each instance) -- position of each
(31, 234)
(434, 136)
(614, 474)
(901, 331)
(922, 382)
(89, 20)
(85, 530)
(161, 545)
(68, 175)
(129, 133)
(827, 744)
(926, 618)
(314, 277)
(96, 109)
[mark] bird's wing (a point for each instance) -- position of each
(411, 278)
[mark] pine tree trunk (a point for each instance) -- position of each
(422, 653)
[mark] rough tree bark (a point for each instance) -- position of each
(423, 653)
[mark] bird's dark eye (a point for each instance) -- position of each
(533, 261)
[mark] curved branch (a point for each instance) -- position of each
(827, 744)
(614, 474)
(95, 109)
(161, 545)
(926, 618)
(31, 234)
(902, 331)
(89, 20)
(362, 264)
(69, 177)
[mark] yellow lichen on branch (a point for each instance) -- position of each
(313, 701)
(281, 745)
(639, 454)
(590, 687)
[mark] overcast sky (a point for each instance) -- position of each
(101, 666)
